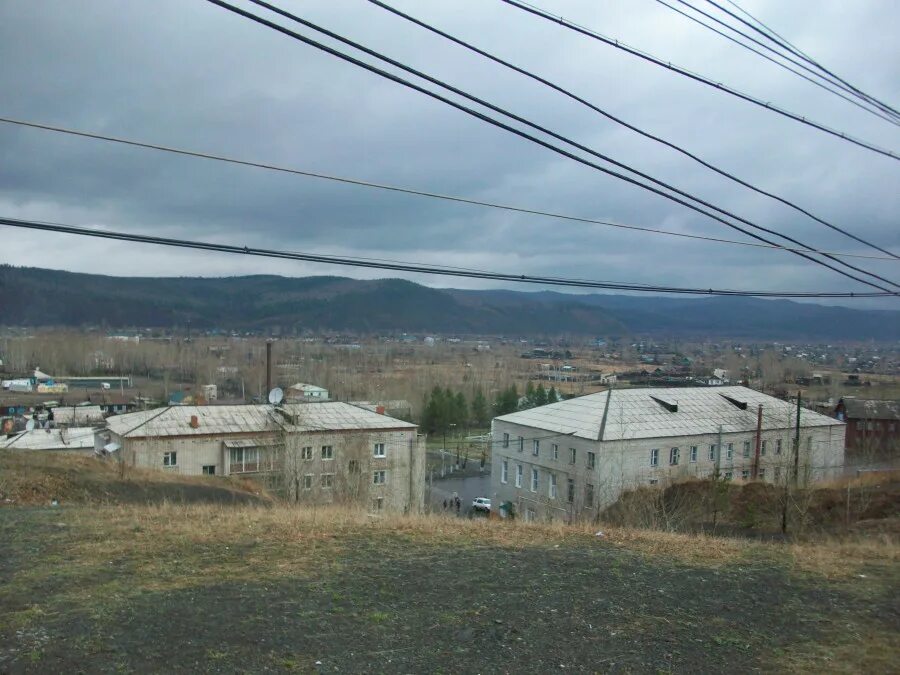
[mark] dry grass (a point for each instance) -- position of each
(285, 538)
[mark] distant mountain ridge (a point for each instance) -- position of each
(39, 297)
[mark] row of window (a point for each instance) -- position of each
(712, 450)
(327, 451)
(552, 487)
(873, 425)
(326, 480)
(745, 475)
(591, 457)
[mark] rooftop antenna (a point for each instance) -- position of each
(276, 396)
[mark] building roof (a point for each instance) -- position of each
(72, 438)
(243, 419)
(862, 409)
(303, 386)
(664, 412)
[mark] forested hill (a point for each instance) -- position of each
(39, 297)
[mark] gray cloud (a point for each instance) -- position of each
(192, 75)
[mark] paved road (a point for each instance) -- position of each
(466, 488)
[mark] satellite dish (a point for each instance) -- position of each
(29, 425)
(276, 396)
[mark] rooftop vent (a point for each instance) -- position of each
(668, 405)
(741, 405)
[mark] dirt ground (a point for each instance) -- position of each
(98, 590)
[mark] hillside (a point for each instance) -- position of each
(37, 297)
(284, 589)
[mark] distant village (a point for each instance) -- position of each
(622, 414)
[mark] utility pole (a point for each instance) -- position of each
(797, 444)
(755, 472)
(268, 367)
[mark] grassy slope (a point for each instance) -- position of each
(214, 588)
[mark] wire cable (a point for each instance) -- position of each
(419, 193)
(419, 268)
(617, 120)
(786, 57)
(878, 112)
(532, 9)
(785, 44)
(527, 136)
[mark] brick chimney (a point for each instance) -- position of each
(195, 422)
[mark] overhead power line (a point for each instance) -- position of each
(787, 57)
(565, 153)
(827, 85)
(532, 9)
(416, 192)
(420, 268)
(617, 120)
(770, 34)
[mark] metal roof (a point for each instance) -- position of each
(652, 413)
(862, 409)
(242, 419)
(72, 438)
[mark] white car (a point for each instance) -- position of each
(481, 504)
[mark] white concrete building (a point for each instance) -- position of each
(310, 452)
(569, 460)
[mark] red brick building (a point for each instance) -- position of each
(871, 425)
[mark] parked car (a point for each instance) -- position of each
(481, 504)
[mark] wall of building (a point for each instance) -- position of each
(626, 464)
(287, 468)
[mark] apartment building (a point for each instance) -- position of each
(569, 460)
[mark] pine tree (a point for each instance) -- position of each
(479, 410)
(529, 395)
(552, 396)
(540, 395)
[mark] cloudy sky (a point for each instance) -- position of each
(186, 73)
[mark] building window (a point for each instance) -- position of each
(505, 440)
(892, 427)
(746, 448)
(712, 453)
(306, 453)
(588, 494)
(570, 490)
(378, 503)
(534, 480)
(693, 453)
(554, 451)
(729, 475)
(860, 425)
(378, 450)
(745, 474)
(762, 448)
(307, 481)
(521, 443)
(535, 447)
(327, 480)
(654, 457)
(778, 446)
(762, 474)
(674, 454)
(572, 455)
(353, 466)
(244, 460)
(209, 470)
(654, 481)
(777, 472)
(729, 451)
(327, 452)
(529, 515)
(519, 475)
(504, 471)
(869, 426)
(592, 460)
(379, 477)
(170, 459)
(552, 491)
